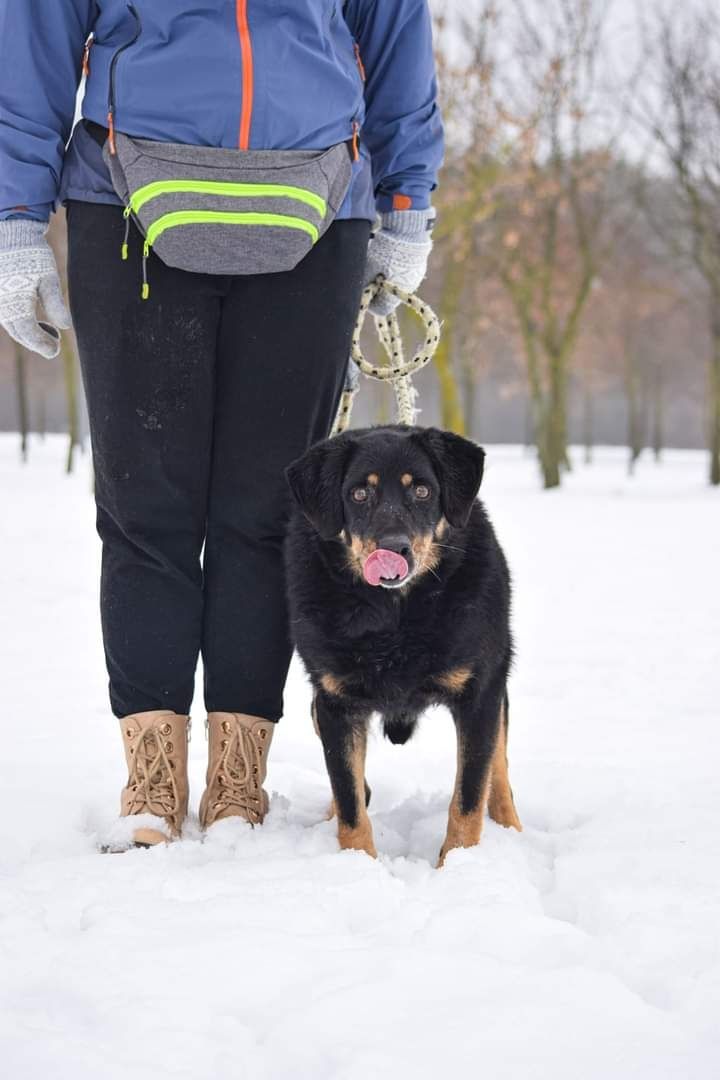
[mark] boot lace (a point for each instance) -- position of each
(236, 777)
(151, 779)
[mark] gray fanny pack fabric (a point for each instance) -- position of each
(221, 211)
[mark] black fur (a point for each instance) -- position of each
(389, 646)
(399, 727)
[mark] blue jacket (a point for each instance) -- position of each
(272, 74)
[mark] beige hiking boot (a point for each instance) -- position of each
(237, 766)
(156, 752)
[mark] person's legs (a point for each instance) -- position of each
(283, 349)
(148, 370)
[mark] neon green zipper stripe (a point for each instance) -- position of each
(218, 217)
(216, 187)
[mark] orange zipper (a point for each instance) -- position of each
(246, 55)
(358, 61)
(111, 133)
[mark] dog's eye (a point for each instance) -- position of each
(422, 491)
(359, 494)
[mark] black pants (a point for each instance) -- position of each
(198, 398)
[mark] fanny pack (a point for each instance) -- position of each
(222, 211)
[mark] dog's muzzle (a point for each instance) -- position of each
(389, 564)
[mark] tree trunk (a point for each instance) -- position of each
(22, 401)
(588, 422)
(469, 398)
(549, 461)
(529, 439)
(383, 404)
(658, 414)
(552, 442)
(71, 394)
(635, 432)
(451, 413)
(41, 413)
(715, 410)
(565, 460)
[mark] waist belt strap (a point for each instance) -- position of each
(100, 134)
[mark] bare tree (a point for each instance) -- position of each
(528, 189)
(466, 195)
(684, 118)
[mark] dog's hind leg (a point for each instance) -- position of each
(501, 805)
(477, 718)
(344, 739)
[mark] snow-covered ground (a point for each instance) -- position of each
(587, 947)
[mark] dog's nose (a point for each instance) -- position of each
(396, 542)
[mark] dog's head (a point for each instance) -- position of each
(389, 494)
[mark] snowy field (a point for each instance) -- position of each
(586, 948)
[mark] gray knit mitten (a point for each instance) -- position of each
(399, 251)
(28, 271)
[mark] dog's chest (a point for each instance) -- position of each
(392, 667)
(385, 651)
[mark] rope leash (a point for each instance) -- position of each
(397, 371)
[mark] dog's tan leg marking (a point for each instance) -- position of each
(463, 830)
(359, 838)
(501, 805)
(332, 684)
(454, 680)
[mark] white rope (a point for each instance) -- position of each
(397, 371)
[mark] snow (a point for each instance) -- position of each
(586, 947)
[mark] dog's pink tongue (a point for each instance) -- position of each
(384, 564)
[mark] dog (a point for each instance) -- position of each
(399, 598)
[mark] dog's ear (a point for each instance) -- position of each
(316, 479)
(459, 465)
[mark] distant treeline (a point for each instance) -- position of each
(579, 290)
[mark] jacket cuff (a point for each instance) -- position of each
(38, 212)
(21, 233)
(411, 224)
(386, 202)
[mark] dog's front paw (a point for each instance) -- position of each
(449, 846)
(359, 838)
(463, 834)
(444, 852)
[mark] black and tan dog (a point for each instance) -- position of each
(399, 598)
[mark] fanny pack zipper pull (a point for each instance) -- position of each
(356, 141)
(124, 248)
(145, 287)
